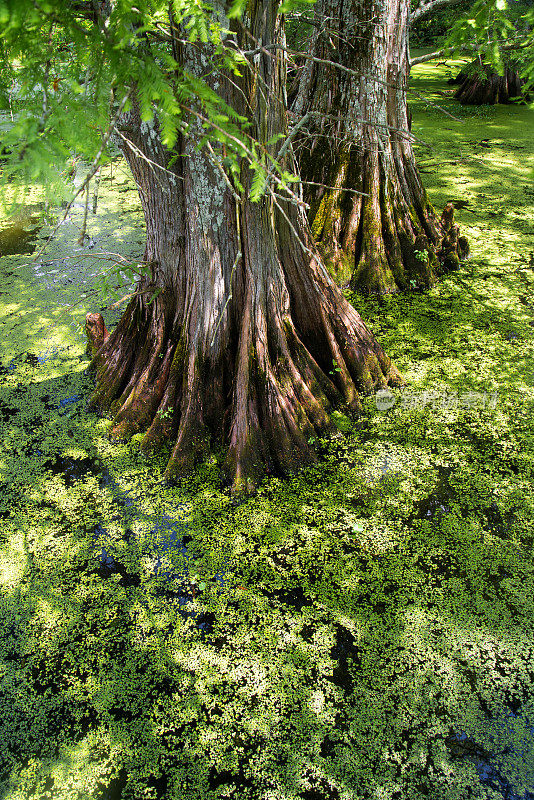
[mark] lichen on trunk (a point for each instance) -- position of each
(249, 344)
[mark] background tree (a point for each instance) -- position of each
(369, 211)
(481, 84)
(496, 34)
(238, 335)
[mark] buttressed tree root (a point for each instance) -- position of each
(264, 392)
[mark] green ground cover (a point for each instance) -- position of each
(362, 631)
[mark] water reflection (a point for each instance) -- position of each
(18, 236)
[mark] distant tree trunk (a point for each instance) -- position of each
(387, 237)
(249, 342)
(480, 84)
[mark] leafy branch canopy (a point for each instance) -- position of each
(67, 65)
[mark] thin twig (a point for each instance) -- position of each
(287, 144)
(129, 297)
(358, 74)
(304, 247)
(215, 161)
(435, 105)
(405, 134)
(248, 153)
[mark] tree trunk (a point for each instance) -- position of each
(375, 226)
(479, 84)
(249, 344)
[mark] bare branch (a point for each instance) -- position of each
(335, 188)
(435, 105)
(515, 44)
(129, 297)
(216, 163)
(428, 57)
(404, 134)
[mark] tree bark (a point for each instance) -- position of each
(376, 226)
(249, 344)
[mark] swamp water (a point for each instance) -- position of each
(362, 631)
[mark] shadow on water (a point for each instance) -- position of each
(72, 469)
(463, 747)
(489, 761)
(348, 656)
(108, 565)
(169, 534)
(434, 506)
(437, 504)
(115, 787)
(292, 597)
(180, 585)
(7, 412)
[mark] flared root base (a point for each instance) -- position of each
(377, 241)
(410, 261)
(265, 400)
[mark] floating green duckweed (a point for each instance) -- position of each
(361, 632)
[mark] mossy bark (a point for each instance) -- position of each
(375, 226)
(249, 343)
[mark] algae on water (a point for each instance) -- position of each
(364, 630)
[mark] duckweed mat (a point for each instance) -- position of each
(363, 631)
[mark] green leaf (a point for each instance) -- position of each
(291, 5)
(276, 138)
(237, 8)
(289, 177)
(259, 182)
